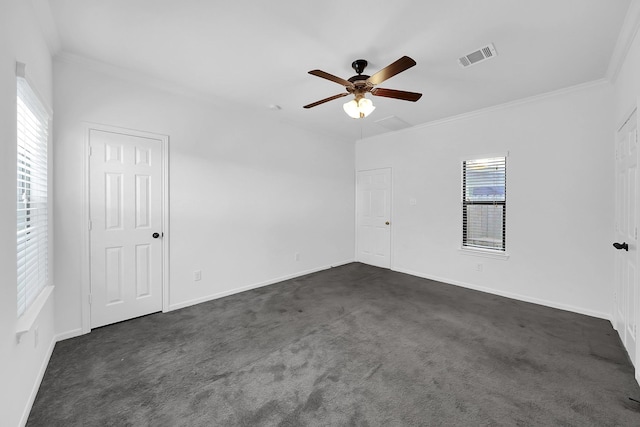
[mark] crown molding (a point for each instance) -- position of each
(498, 107)
(138, 78)
(124, 73)
(141, 79)
(626, 36)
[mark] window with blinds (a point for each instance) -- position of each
(484, 203)
(32, 227)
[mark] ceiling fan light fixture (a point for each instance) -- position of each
(362, 84)
(366, 106)
(351, 108)
(359, 109)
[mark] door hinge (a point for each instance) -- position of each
(90, 151)
(90, 299)
(90, 225)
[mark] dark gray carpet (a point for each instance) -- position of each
(354, 345)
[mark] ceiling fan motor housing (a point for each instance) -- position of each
(361, 86)
(359, 65)
(359, 80)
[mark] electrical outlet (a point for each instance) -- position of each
(36, 336)
(479, 266)
(197, 275)
(296, 257)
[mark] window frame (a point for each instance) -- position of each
(500, 252)
(35, 295)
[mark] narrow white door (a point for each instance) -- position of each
(373, 217)
(125, 205)
(626, 256)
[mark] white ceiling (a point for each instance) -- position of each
(258, 53)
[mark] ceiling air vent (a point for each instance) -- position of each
(482, 54)
(393, 123)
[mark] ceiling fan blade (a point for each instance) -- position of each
(324, 75)
(389, 71)
(322, 101)
(397, 94)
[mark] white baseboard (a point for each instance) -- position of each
(77, 332)
(36, 384)
(254, 286)
(525, 298)
(69, 334)
(341, 263)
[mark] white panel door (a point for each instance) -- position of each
(373, 217)
(626, 257)
(125, 205)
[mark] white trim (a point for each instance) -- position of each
(29, 317)
(467, 250)
(484, 253)
(355, 214)
(391, 231)
(504, 154)
(254, 286)
(86, 258)
(371, 170)
(140, 78)
(43, 368)
(519, 297)
(69, 334)
(355, 231)
(611, 321)
(626, 36)
(21, 72)
(30, 310)
(494, 108)
(38, 381)
(166, 235)
(340, 263)
(628, 117)
(181, 89)
(517, 102)
(85, 289)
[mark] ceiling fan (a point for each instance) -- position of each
(361, 84)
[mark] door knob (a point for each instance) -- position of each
(156, 235)
(386, 223)
(622, 245)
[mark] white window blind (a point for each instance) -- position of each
(32, 227)
(484, 203)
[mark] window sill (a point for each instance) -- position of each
(29, 317)
(485, 253)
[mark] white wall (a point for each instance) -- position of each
(21, 364)
(627, 83)
(559, 198)
(246, 191)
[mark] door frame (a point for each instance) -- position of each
(86, 235)
(614, 318)
(391, 231)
